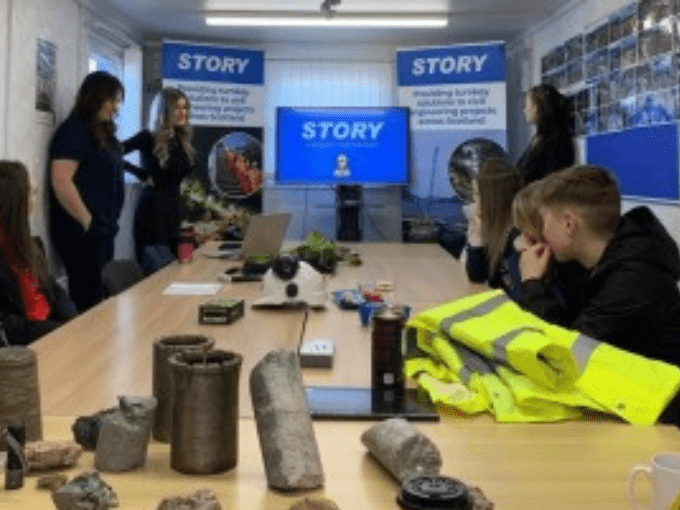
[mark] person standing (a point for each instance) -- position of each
(87, 187)
(552, 146)
(31, 302)
(168, 156)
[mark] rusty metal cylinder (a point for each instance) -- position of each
(163, 388)
(205, 411)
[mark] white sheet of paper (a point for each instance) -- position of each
(192, 289)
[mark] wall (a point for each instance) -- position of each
(24, 131)
(570, 21)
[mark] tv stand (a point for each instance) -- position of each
(348, 205)
(315, 209)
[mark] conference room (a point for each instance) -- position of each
(367, 137)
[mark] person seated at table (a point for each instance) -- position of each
(630, 298)
(31, 302)
(490, 255)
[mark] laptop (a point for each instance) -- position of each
(264, 236)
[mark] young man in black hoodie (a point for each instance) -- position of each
(630, 295)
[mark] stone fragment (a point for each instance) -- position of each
(479, 499)
(51, 482)
(124, 435)
(46, 455)
(402, 449)
(317, 503)
(86, 491)
(202, 499)
(284, 426)
(86, 429)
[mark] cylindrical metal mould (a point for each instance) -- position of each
(163, 349)
(205, 411)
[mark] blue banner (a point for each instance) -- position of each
(453, 64)
(195, 62)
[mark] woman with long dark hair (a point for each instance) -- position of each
(86, 170)
(490, 255)
(31, 302)
(552, 146)
(168, 156)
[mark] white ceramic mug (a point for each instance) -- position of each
(664, 476)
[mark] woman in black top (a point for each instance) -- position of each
(552, 146)
(86, 167)
(167, 158)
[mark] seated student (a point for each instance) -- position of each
(630, 298)
(31, 302)
(490, 255)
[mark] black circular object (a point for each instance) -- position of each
(464, 164)
(434, 492)
(292, 290)
(285, 266)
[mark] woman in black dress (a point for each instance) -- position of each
(168, 156)
(552, 146)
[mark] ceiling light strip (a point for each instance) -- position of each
(326, 22)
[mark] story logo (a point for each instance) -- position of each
(357, 130)
(449, 64)
(212, 63)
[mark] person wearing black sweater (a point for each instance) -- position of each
(31, 302)
(630, 296)
(167, 158)
(552, 146)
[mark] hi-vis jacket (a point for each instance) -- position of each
(485, 353)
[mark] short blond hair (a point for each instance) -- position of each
(590, 189)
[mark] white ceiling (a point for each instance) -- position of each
(469, 20)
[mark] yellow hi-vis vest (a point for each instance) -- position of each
(484, 352)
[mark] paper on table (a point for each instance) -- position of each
(192, 289)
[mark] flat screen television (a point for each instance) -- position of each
(343, 145)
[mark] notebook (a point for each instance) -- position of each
(264, 236)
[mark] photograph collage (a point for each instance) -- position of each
(622, 72)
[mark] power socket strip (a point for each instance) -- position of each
(317, 353)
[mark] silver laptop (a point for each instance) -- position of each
(264, 236)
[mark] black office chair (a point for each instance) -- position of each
(119, 275)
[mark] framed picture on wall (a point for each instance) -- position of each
(46, 76)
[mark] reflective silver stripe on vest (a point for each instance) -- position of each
(472, 362)
(583, 347)
(501, 343)
(478, 311)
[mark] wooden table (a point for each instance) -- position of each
(108, 352)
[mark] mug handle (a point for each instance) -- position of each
(637, 470)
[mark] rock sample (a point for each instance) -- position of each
(86, 491)
(19, 390)
(317, 503)
(284, 426)
(51, 482)
(202, 499)
(402, 449)
(124, 435)
(46, 455)
(479, 499)
(86, 429)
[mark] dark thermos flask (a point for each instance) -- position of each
(387, 350)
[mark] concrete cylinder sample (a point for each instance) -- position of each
(284, 426)
(402, 449)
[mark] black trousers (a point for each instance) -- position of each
(84, 257)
